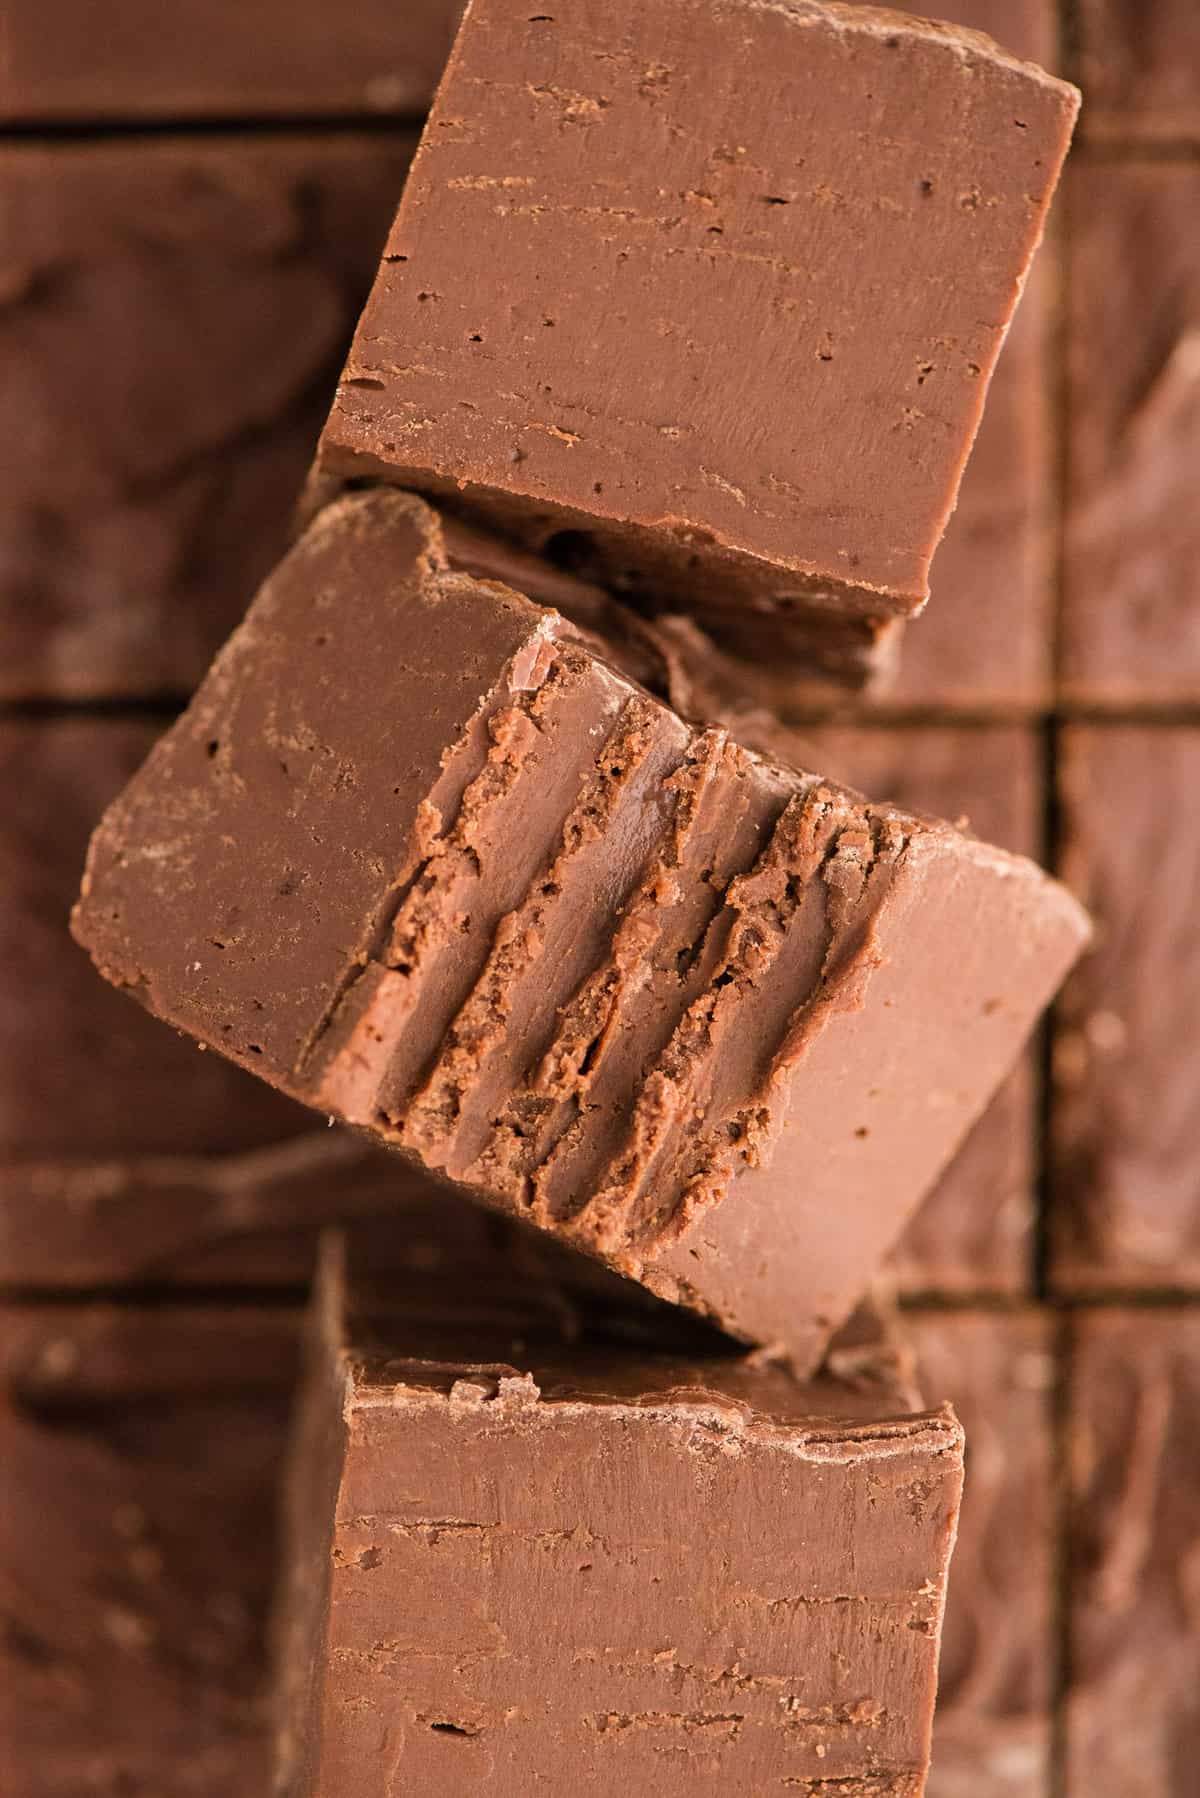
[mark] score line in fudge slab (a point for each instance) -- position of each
(421, 856)
(619, 1567)
(742, 349)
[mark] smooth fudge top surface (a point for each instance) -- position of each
(719, 284)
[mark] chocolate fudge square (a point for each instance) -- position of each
(735, 351)
(423, 857)
(521, 1557)
(175, 312)
(1131, 618)
(1126, 1135)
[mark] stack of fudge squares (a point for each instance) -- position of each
(492, 833)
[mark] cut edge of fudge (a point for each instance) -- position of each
(563, 949)
(502, 1384)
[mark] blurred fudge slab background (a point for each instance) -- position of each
(150, 472)
(70, 62)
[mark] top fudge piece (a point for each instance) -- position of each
(423, 857)
(716, 285)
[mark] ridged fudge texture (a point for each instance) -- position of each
(424, 858)
(519, 1558)
(713, 287)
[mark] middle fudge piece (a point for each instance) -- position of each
(424, 858)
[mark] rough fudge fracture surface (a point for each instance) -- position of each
(421, 856)
(520, 1559)
(747, 265)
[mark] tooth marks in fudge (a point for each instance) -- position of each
(552, 941)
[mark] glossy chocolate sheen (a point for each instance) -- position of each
(733, 349)
(1132, 1709)
(1125, 1203)
(173, 317)
(64, 61)
(424, 859)
(141, 1451)
(974, 1233)
(520, 1556)
(992, 1730)
(1131, 613)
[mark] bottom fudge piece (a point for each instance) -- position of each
(423, 857)
(531, 1555)
(140, 1452)
(991, 1735)
(1132, 1714)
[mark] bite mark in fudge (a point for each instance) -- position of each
(733, 354)
(520, 1555)
(423, 858)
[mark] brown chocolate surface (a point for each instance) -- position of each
(991, 1734)
(140, 1453)
(519, 1558)
(1131, 619)
(422, 859)
(1138, 64)
(126, 1156)
(69, 61)
(985, 641)
(173, 317)
(1133, 1707)
(1126, 1203)
(973, 1234)
(640, 222)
